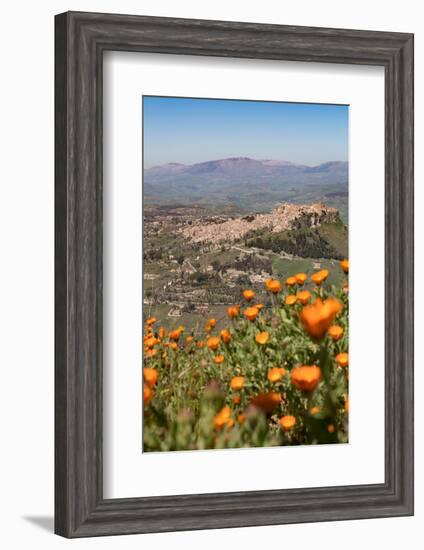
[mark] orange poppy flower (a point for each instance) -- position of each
(306, 377)
(189, 339)
(222, 418)
(173, 345)
(151, 321)
(175, 334)
(150, 342)
(150, 376)
(268, 283)
(347, 405)
(344, 264)
(251, 313)
(290, 300)
(225, 336)
(233, 311)
(237, 383)
(200, 344)
(162, 332)
(331, 428)
(218, 359)
(290, 281)
(236, 399)
(213, 342)
(147, 394)
(287, 422)
(212, 322)
(304, 296)
(150, 353)
(320, 276)
(241, 418)
(342, 359)
(273, 285)
(300, 278)
(275, 374)
(335, 332)
(262, 338)
(317, 317)
(314, 410)
(248, 294)
(267, 401)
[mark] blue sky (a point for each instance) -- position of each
(194, 130)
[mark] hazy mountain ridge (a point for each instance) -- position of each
(245, 167)
(250, 184)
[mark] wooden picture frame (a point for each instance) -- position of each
(81, 39)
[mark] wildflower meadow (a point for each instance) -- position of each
(276, 375)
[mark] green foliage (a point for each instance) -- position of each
(326, 241)
(194, 381)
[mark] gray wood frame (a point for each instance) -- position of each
(80, 40)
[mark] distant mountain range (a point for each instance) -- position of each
(249, 183)
(245, 168)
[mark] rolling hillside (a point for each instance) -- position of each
(252, 185)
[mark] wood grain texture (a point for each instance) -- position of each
(81, 39)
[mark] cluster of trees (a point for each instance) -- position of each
(304, 242)
(199, 277)
(154, 254)
(252, 262)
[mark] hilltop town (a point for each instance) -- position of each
(284, 217)
(198, 260)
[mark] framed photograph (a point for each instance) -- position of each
(234, 274)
